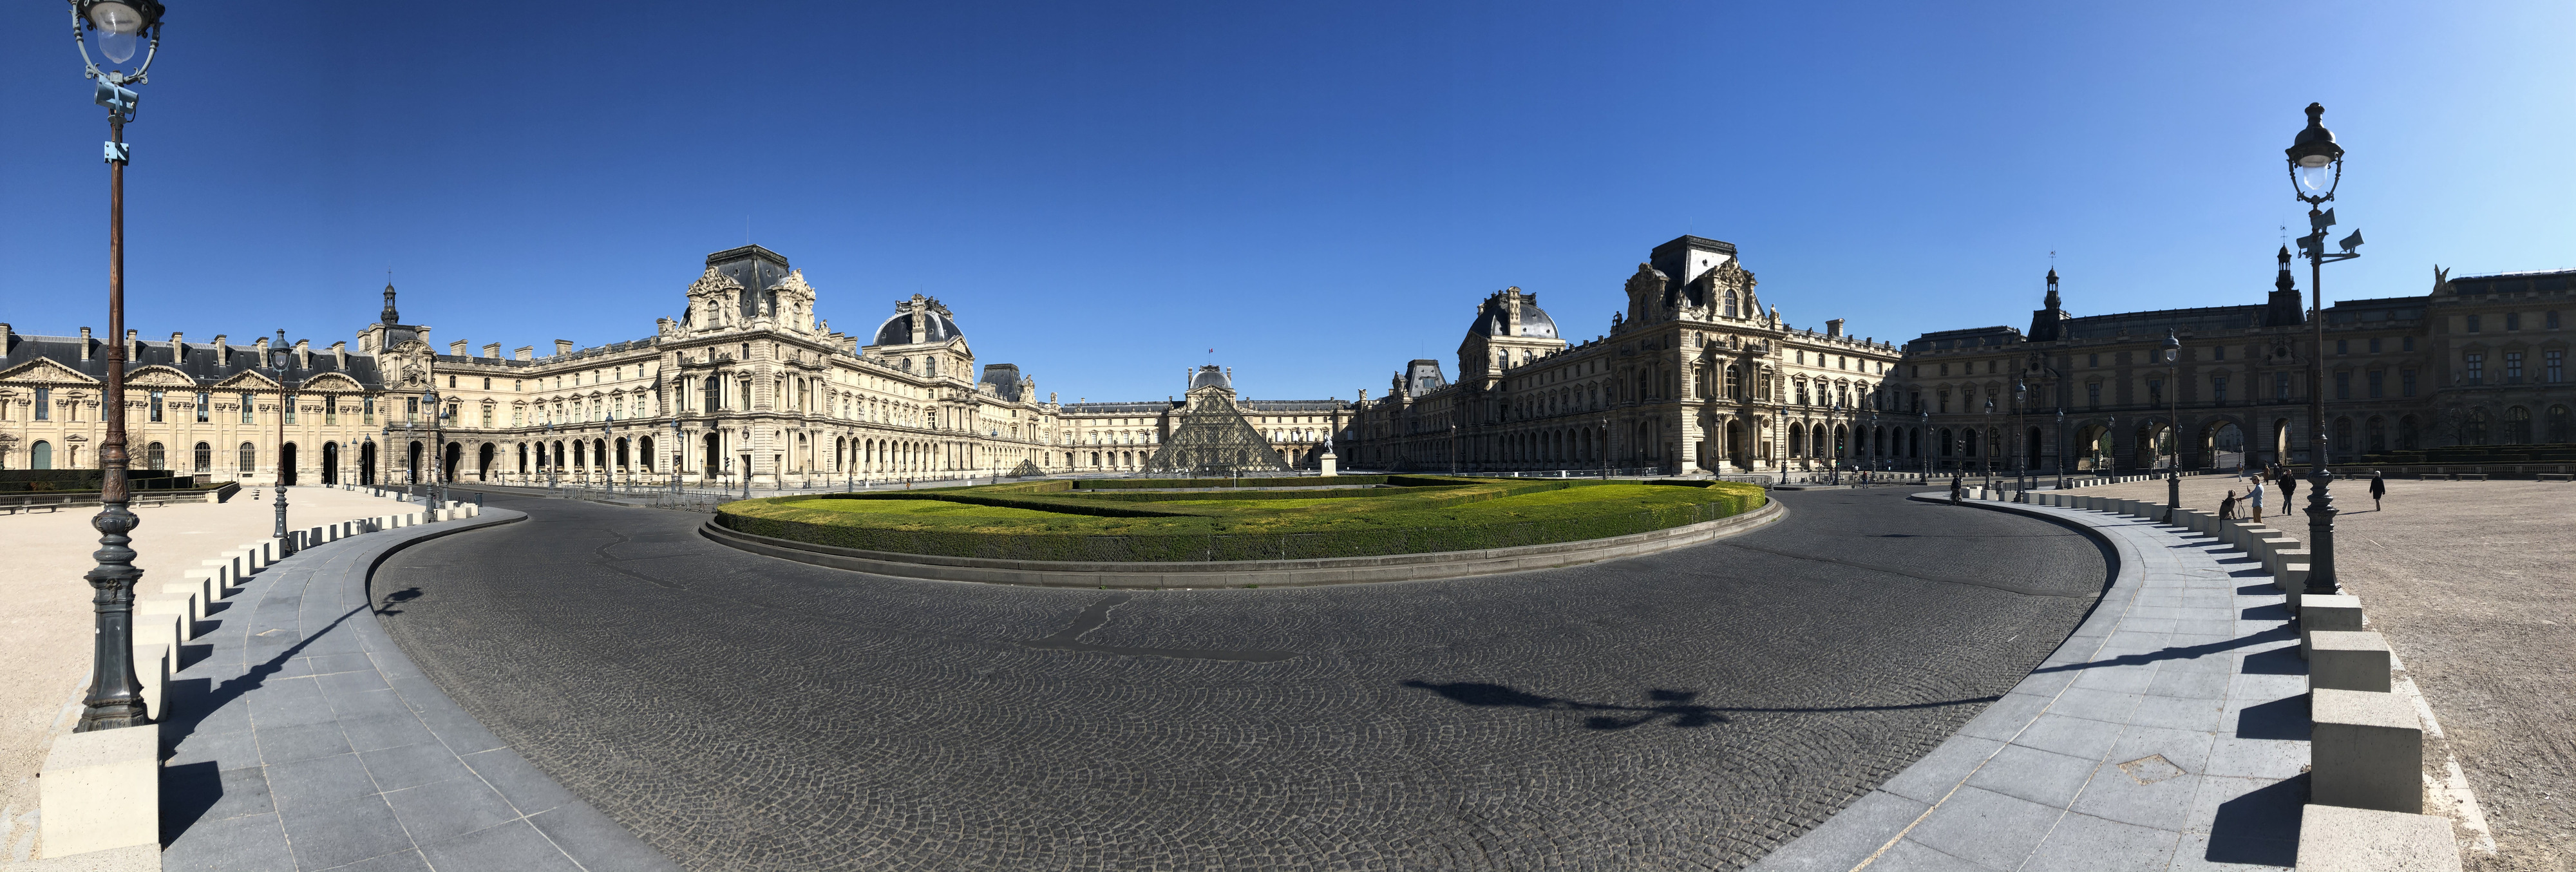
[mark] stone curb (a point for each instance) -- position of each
(2367, 750)
(1268, 573)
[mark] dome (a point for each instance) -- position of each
(898, 329)
(1535, 324)
(1211, 377)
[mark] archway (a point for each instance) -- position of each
(483, 461)
(2280, 442)
(2224, 444)
(330, 463)
(714, 449)
(644, 453)
(412, 464)
(2154, 445)
(367, 463)
(41, 456)
(286, 465)
(455, 460)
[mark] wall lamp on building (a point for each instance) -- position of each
(115, 697)
(2316, 170)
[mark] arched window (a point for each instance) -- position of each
(205, 457)
(2474, 432)
(41, 456)
(2517, 426)
(249, 458)
(2556, 424)
(1797, 439)
(154, 458)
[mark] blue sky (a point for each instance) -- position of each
(1103, 191)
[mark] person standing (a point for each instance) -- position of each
(2378, 488)
(2257, 496)
(2289, 489)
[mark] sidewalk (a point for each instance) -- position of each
(305, 740)
(45, 611)
(2168, 733)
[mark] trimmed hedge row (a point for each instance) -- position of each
(1131, 483)
(1424, 531)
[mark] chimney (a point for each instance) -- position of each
(259, 348)
(1834, 328)
(492, 350)
(84, 344)
(133, 345)
(526, 352)
(303, 354)
(223, 352)
(456, 348)
(563, 347)
(340, 355)
(5, 335)
(177, 349)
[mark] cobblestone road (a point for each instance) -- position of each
(1687, 710)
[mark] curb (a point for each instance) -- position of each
(1268, 573)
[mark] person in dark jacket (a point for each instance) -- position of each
(2289, 489)
(2378, 488)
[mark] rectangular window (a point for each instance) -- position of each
(2092, 395)
(2512, 321)
(2473, 323)
(330, 410)
(2218, 388)
(2155, 392)
(367, 412)
(2406, 382)
(2406, 344)
(2093, 360)
(2477, 367)
(2378, 383)
(2343, 346)
(2280, 387)
(2218, 353)
(2553, 365)
(204, 400)
(2343, 386)
(247, 404)
(2513, 367)
(411, 407)
(156, 407)
(44, 404)
(2550, 320)
(287, 402)
(487, 384)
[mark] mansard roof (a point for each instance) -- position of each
(198, 361)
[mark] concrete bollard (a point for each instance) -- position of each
(2327, 613)
(2365, 840)
(2347, 660)
(101, 790)
(199, 589)
(164, 619)
(2366, 751)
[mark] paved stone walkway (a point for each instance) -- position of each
(300, 738)
(2168, 733)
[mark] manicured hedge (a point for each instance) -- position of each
(1302, 481)
(1158, 537)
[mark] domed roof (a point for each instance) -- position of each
(1211, 377)
(1535, 324)
(898, 329)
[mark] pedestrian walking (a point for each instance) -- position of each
(2256, 495)
(2227, 507)
(1958, 487)
(2289, 489)
(2378, 488)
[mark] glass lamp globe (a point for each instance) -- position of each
(119, 28)
(2316, 173)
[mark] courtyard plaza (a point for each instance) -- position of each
(2469, 580)
(45, 668)
(1691, 709)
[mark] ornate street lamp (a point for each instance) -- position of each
(2316, 169)
(1925, 428)
(1989, 457)
(115, 697)
(2173, 398)
(2021, 440)
(278, 358)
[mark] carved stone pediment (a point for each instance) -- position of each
(45, 371)
(252, 379)
(713, 281)
(157, 376)
(332, 382)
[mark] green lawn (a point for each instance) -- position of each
(1051, 521)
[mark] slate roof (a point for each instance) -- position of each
(198, 360)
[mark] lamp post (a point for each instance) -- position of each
(1989, 458)
(2021, 440)
(1877, 442)
(1925, 428)
(1605, 448)
(2173, 399)
(2316, 169)
(2061, 448)
(278, 359)
(545, 457)
(676, 447)
(115, 697)
(435, 496)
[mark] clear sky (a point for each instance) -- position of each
(1104, 191)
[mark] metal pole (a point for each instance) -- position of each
(285, 543)
(2321, 510)
(115, 696)
(2173, 472)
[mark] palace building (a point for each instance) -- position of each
(747, 382)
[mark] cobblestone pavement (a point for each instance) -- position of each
(2470, 582)
(1687, 710)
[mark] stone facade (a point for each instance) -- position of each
(748, 382)
(1696, 376)
(2477, 361)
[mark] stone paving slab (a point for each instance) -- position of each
(301, 738)
(2169, 732)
